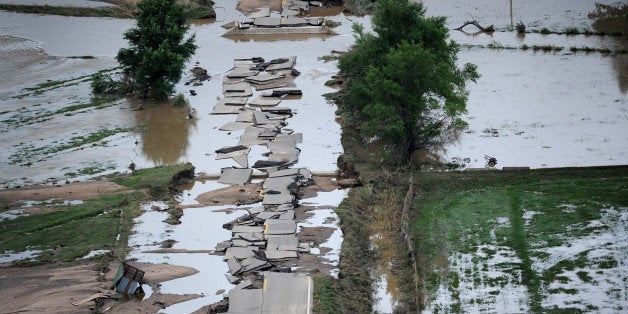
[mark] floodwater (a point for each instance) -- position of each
(61, 3)
(200, 229)
(324, 216)
(548, 110)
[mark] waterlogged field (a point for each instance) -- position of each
(559, 243)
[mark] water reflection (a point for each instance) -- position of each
(164, 130)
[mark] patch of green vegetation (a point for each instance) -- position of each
(159, 181)
(88, 171)
(54, 84)
(355, 288)
(545, 31)
(584, 276)
(70, 232)
(452, 212)
(325, 295)
(563, 290)
(571, 31)
(22, 119)
(29, 152)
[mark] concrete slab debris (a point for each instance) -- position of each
(233, 101)
(278, 183)
(260, 118)
(232, 151)
(283, 242)
(285, 207)
(264, 78)
(288, 158)
(225, 109)
(255, 210)
(245, 301)
(277, 226)
(245, 116)
(234, 126)
(250, 236)
(231, 278)
(242, 89)
(247, 229)
(297, 137)
(241, 72)
(283, 147)
(240, 242)
(234, 266)
(280, 254)
(275, 84)
(277, 199)
(243, 284)
(278, 110)
(295, 21)
(292, 172)
(289, 215)
(261, 101)
(242, 160)
(250, 140)
(235, 176)
(253, 264)
(240, 253)
(291, 61)
(259, 12)
(268, 215)
(267, 22)
(222, 246)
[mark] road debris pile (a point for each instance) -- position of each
(265, 237)
(262, 21)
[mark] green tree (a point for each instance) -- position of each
(157, 49)
(404, 86)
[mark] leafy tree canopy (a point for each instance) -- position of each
(404, 86)
(157, 49)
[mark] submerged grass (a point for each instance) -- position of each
(23, 118)
(68, 232)
(28, 153)
(159, 181)
(519, 210)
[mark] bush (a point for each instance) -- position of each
(571, 31)
(104, 84)
(179, 100)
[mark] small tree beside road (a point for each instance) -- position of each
(158, 49)
(403, 84)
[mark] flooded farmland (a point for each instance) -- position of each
(529, 108)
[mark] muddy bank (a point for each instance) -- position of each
(73, 191)
(46, 288)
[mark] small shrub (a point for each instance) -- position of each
(179, 100)
(525, 47)
(545, 31)
(571, 31)
(104, 84)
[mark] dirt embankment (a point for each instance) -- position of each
(73, 191)
(53, 288)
